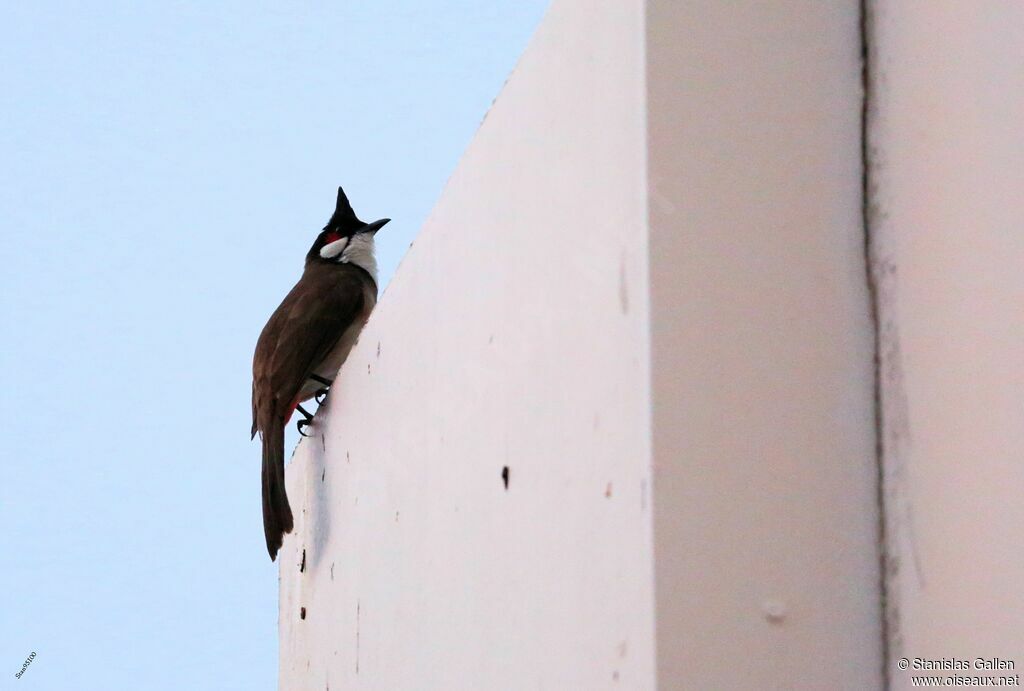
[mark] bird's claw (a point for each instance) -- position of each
(320, 395)
(305, 422)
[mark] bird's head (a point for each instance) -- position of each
(345, 239)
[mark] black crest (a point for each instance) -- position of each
(344, 221)
(344, 218)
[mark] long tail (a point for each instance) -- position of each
(277, 514)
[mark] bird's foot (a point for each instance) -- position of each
(321, 394)
(305, 422)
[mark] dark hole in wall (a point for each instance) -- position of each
(504, 477)
(302, 566)
(302, 612)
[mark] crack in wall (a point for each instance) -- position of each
(868, 215)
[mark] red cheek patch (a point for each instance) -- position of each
(332, 237)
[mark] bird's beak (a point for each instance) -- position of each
(375, 226)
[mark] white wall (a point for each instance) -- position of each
(515, 334)
(764, 448)
(948, 172)
(643, 291)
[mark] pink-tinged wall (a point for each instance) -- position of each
(515, 333)
(947, 170)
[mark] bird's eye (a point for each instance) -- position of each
(333, 236)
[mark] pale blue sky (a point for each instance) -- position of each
(163, 169)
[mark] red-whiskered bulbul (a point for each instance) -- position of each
(306, 340)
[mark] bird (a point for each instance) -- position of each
(305, 342)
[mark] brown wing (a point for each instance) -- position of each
(300, 333)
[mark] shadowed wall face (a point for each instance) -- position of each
(764, 484)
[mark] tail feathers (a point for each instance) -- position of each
(277, 514)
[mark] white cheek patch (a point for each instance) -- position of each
(333, 249)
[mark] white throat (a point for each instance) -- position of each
(360, 251)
